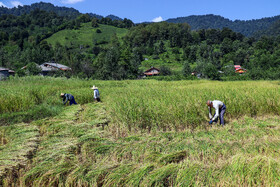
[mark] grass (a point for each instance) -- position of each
(148, 133)
(86, 35)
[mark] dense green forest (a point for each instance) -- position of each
(119, 49)
(48, 7)
(247, 28)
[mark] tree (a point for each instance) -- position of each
(211, 72)
(33, 69)
(186, 69)
(164, 70)
(94, 23)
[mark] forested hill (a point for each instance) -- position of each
(26, 9)
(48, 7)
(210, 21)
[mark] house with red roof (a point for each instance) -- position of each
(239, 69)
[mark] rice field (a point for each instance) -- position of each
(145, 104)
(144, 133)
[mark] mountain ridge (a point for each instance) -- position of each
(249, 28)
(211, 21)
(49, 7)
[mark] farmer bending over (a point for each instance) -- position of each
(68, 97)
(220, 109)
(96, 94)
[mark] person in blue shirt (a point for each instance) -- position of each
(68, 97)
(220, 109)
(96, 94)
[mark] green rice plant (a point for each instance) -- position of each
(158, 133)
(173, 158)
(147, 104)
(164, 176)
(136, 177)
(181, 104)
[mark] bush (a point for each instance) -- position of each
(98, 31)
(33, 69)
(164, 70)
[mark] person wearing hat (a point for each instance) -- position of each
(68, 97)
(96, 94)
(220, 109)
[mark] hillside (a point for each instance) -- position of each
(197, 22)
(273, 30)
(174, 48)
(86, 35)
(210, 21)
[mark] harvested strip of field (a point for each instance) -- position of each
(59, 151)
(75, 152)
(21, 143)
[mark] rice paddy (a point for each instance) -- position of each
(144, 133)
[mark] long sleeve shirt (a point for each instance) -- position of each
(216, 105)
(96, 94)
(67, 97)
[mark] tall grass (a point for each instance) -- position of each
(180, 104)
(75, 151)
(145, 104)
(30, 98)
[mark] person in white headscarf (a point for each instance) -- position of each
(96, 94)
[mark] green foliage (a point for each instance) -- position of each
(33, 69)
(210, 71)
(165, 70)
(94, 22)
(186, 69)
(86, 35)
(82, 43)
(21, 10)
(210, 21)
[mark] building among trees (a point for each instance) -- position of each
(48, 67)
(5, 73)
(152, 72)
(239, 69)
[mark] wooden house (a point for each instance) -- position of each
(152, 72)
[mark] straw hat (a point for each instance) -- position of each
(62, 94)
(94, 88)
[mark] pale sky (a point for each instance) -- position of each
(159, 10)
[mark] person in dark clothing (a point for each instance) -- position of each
(68, 97)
